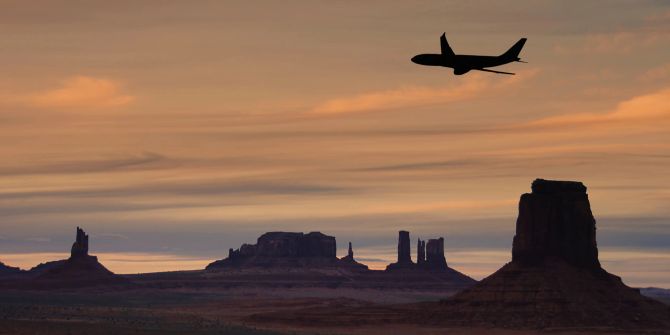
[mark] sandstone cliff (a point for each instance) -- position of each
(555, 278)
(285, 249)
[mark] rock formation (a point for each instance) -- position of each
(81, 269)
(404, 257)
(430, 255)
(277, 249)
(555, 278)
(555, 221)
(349, 259)
(80, 245)
(435, 255)
(350, 253)
(8, 270)
(403, 247)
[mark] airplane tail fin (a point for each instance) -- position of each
(446, 49)
(513, 53)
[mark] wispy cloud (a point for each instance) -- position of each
(188, 187)
(659, 17)
(643, 111)
(459, 205)
(38, 239)
(111, 236)
(415, 96)
(146, 160)
(426, 165)
(623, 42)
(657, 73)
(80, 92)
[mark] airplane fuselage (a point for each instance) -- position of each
(464, 63)
(460, 63)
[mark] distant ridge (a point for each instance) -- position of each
(8, 270)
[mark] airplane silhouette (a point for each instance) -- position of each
(464, 63)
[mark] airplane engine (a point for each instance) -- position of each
(461, 70)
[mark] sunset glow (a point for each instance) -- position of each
(172, 132)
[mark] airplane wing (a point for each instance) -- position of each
(487, 70)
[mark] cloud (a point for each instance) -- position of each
(145, 160)
(80, 92)
(657, 73)
(658, 17)
(415, 96)
(622, 42)
(648, 111)
(425, 165)
(208, 188)
(38, 239)
(111, 237)
(452, 206)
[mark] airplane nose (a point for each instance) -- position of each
(415, 59)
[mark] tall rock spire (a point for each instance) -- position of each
(404, 258)
(80, 245)
(404, 248)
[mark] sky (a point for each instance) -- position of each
(174, 130)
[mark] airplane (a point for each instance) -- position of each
(464, 63)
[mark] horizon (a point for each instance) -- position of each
(173, 132)
(480, 263)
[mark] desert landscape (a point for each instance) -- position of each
(307, 167)
(293, 282)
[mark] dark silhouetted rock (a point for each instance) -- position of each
(284, 249)
(430, 256)
(350, 253)
(81, 269)
(555, 221)
(554, 279)
(435, 255)
(78, 268)
(9, 270)
(349, 259)
(403, 247)
(404, 257)
(80, 245)
(281, 244)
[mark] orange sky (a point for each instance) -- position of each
(186, 128)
